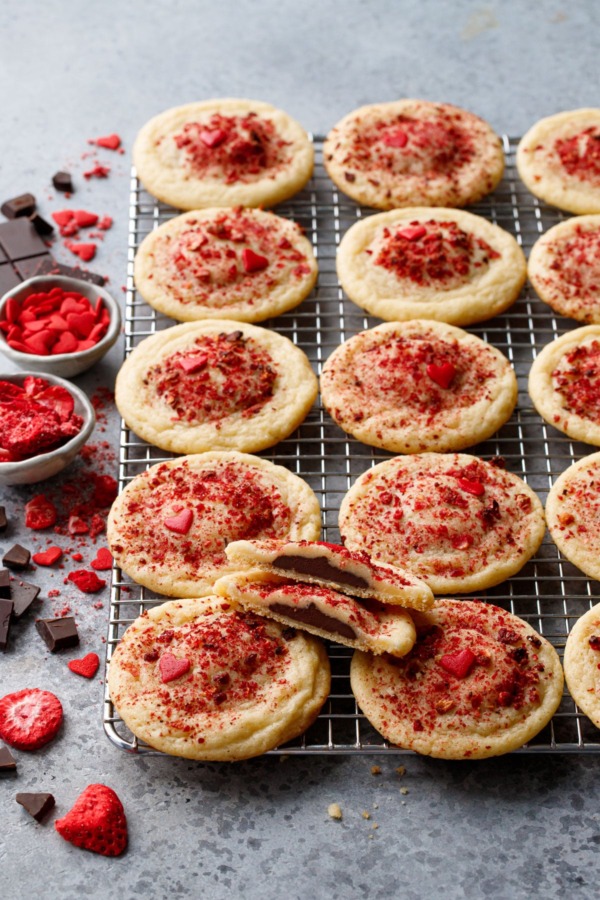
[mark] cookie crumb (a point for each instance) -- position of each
(334, 810)
(374, 826)
(366, 815)
(404, 790)
(375, 770)
(400, 771)
(284, 757)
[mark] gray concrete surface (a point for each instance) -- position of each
(516, 827)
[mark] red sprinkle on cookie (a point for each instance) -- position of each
(29, 718)
(171, 667)
(96, 822)
(87, 666)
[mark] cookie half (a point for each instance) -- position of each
(204, 679)
(582, 663)
(442, 264)
(458, 523)
(362, 624)
(334, 566)
(413, 153)
(416, 386)
(558, 159)
(564, 268)
(223, 152)
(479, 682)
(243, 264)
(564, 384)
(573, 514)
(169, 528)
(215, 385)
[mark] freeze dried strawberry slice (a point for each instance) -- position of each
(87, 666)
(59, 399)
(88, 582)
(96, 822)
(442, 375)
(458, 664)
(47, 557)
(30, 718)
(40, 513)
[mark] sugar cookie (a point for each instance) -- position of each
(582, 663)
(573, 514)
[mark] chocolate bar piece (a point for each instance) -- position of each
(6, 608)
(17, 557)
(3, 519)
(41, 225)
(8, 278)
(62, 181)
(58, 634)
(37, 805)
(20, 240)
(7, 760)
(47, 265)
(23, 205)
(22, 595)
(5, 584)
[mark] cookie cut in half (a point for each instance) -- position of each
(564, 384)
(203, 679)
(420, 263)
(215, 385)
(243, 264)
(334, 566)
(582, 663)
(564, 268)
(458, 523)
(322, 611)
(223, 152)
(413, 153)
(558, 160)
(479, 682)
(169, 528)
(573, 514)
(417, 386)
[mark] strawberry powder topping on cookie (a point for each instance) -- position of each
(574, 270)
(577, 380)
(220, 376)
(432, 253)
(580, 155)
(239, 149)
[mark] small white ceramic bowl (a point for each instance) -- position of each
(65, 365)
(45, 465)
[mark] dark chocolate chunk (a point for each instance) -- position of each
(7, 760)
(41, 225)
(3, 519)
(22, 595)
(311, 615)
(5, 584)
(83, 274)
(19, 239)
(62, 181)
(37, 805)
(319, 567)
(23, 205)
(8, 278)
(58, 634)
(17, 557)
(6, 608)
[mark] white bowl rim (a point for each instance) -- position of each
(89, 420)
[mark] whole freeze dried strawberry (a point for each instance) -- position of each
(96, 822)
(29, 718)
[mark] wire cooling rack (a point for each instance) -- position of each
(549, 592)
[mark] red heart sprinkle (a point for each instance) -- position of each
(103, 560)
(396, 138)
(86, 252)
(442, 375)
(88, 666)
(67, 343)
(88, 582)
(84, 218)
(63, 216)
(212, 138)
(412, 232)
(171, 667)
(181, 523)
(47, 557)
(80, 324)
(193, 363)
(110, 142)
(471, 487)
(253, 262)
(458, 664)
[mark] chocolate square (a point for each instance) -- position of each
(58, 634)
(17, 557)
(19, 239)
(23, 205)
(6, 608)
(37, 805)
(22, 595)
(3, 519)
(8, 278)
(41, 225)
(7, 760)
(36, 265)
(5, 584)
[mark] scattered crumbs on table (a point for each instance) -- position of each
(334, 811)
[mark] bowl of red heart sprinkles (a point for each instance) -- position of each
(58, 324)
(44, 423)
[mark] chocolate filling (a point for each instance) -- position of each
(310, 615)
(319, 567)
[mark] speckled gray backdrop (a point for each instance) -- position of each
(517, 827)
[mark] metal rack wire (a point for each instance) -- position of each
(549, 592)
